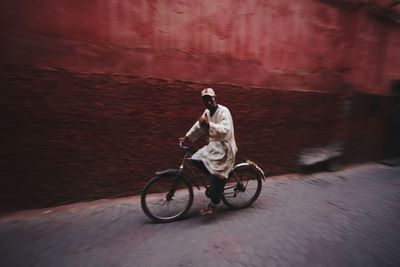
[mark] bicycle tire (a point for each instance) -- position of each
(165, 181)
(234, 201)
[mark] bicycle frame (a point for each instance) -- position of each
(162, 206)
(178, 173)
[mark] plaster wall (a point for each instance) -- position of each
(290, 45)
(96, 93)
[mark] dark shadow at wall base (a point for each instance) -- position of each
(391, 162)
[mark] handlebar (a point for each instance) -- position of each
(184, 147)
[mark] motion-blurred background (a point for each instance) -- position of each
(95, 94)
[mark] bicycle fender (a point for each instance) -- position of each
(253, 165)
(167, 171)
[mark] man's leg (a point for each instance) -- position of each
(216, 189)
(200, 165)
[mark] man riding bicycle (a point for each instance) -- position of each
(217, 158)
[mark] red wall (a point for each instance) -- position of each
(68, 137)
(305, 45)
(96, 93)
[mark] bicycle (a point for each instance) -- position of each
(169, 195)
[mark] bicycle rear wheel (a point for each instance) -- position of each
(242, 188)
(167, 198)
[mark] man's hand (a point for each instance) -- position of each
(183, 139)
(203, 121)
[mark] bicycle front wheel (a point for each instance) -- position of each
(242, 188)
(167, 198)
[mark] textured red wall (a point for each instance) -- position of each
(69, 137)
(97, 93)
(306, 45)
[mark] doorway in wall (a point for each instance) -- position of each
(392, 147)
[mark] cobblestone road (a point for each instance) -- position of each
(347, 218)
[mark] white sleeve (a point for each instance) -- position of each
(222, 128)
(196, 131)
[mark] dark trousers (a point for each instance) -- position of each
(216, 184)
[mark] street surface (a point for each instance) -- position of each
(346, 218)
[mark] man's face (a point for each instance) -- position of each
(209, 102)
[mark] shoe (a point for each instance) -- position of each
(209, 210)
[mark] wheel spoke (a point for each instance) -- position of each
(155, 203)
(243, 189)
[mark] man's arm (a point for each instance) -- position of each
(222, 128)
(196, 131)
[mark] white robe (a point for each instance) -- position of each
(219, 155)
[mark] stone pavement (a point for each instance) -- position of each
(347, 218)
